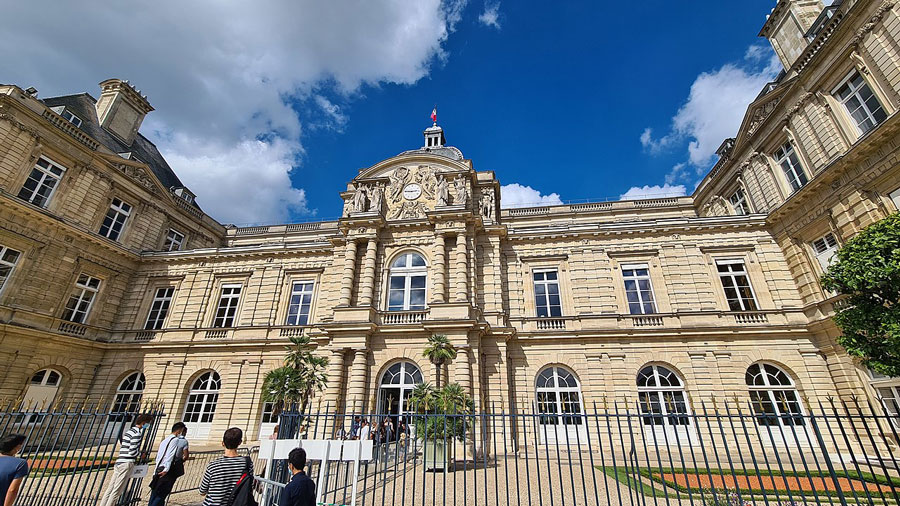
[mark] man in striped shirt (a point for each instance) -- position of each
(223, 473)
(128, 455)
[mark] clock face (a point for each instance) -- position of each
(412, 191)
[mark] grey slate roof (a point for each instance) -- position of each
(445, 151)
(83, 105)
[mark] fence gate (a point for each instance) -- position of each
(71, 451)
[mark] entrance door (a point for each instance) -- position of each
(561, 417)
(125, 405)
(201, 405)
(41, 393)
(397, 383)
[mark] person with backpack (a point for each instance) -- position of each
(228, 480)
(173, 451)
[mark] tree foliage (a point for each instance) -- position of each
(868, 271)
(302, 375)
(441, 414)
(439, 351)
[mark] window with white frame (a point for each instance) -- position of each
(203, 399)
(228, 304)
(739, 202)
(115, 219)
(268, 413)
(638, 289)
(890, 399)
(71, 117)
(558, 397)
(128, 397)
(895, 198)
(82, 299)
(300, 303)
(159, 308)
(407, 283)
(8, 259)
(786, 157)
(736, 284)
(773, 396)
(661, 397)
(826, 248)
(546, 292)
(861, 103)
(174, 240)
(40, 394)
(42, 182)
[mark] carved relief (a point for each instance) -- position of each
(138, 175)
(760, 114)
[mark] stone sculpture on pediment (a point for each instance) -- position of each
(360, 200)
(409, 210)
(461, 197)
(426, 179)
(375, 202)
(398, 180)
(443, 191)
(487, 204)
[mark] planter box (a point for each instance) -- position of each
(435, 455)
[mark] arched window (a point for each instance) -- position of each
(558, 397)
(661, 396)
(41, 393)
(126, 403)
(396, 385)
(773, 396)
(201, 403)
(407, 283)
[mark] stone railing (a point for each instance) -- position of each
(67, 127)
(290, 331)
(251, 230)
(216, 334)
(144, 336)
(618, 205)
(72, 328)
(283, 229)
(186, 206)
(551, 324)
(750, 318)
(647, 321)
(403, 317)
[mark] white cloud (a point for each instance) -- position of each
(716, 105)
(219, 73)
(678, 172)
(491, 14)
(516, 195)
(654, 192)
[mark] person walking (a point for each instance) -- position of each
(222, 474)
(173, 451)
(301, 490)
(12, 469)
(128, 454)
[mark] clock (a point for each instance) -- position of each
(412, 191)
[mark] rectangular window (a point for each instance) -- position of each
(41, 183)
(895, 197)
(890, 399)
(786, 157)
(300, 303)
(269, 415)
(71, 118)
(638, 289)
(736, 284)
(862, 105)
(82, 298)
(174, 240)
(115, 219)
(228, 303)
(8, 259)
(546, 293)
(159, 308)
(739, 202)
(825, 247)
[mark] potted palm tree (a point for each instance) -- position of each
(302, 375)
(441, 415)
(438, 352)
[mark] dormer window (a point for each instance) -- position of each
(184, 194)
(67, 115)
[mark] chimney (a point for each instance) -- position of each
(787, 25)
(121, 109)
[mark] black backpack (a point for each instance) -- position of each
(242, 495)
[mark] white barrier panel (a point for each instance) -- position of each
(317, 449)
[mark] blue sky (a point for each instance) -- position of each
(267, 111)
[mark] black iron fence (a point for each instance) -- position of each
(71, 450)
(842, 453)
(720, 453)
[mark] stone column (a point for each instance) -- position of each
(367, 284)
(462, 270)
(335, 380)
(462, 369)
(440, 270)
(349, 274)
(356, 394)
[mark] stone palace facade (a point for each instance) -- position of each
(115, 284)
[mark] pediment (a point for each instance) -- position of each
(759, 111)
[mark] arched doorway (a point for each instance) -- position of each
(396, 384)
(201, 405)
(126, 403)
(40, 394)
(559, 404)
